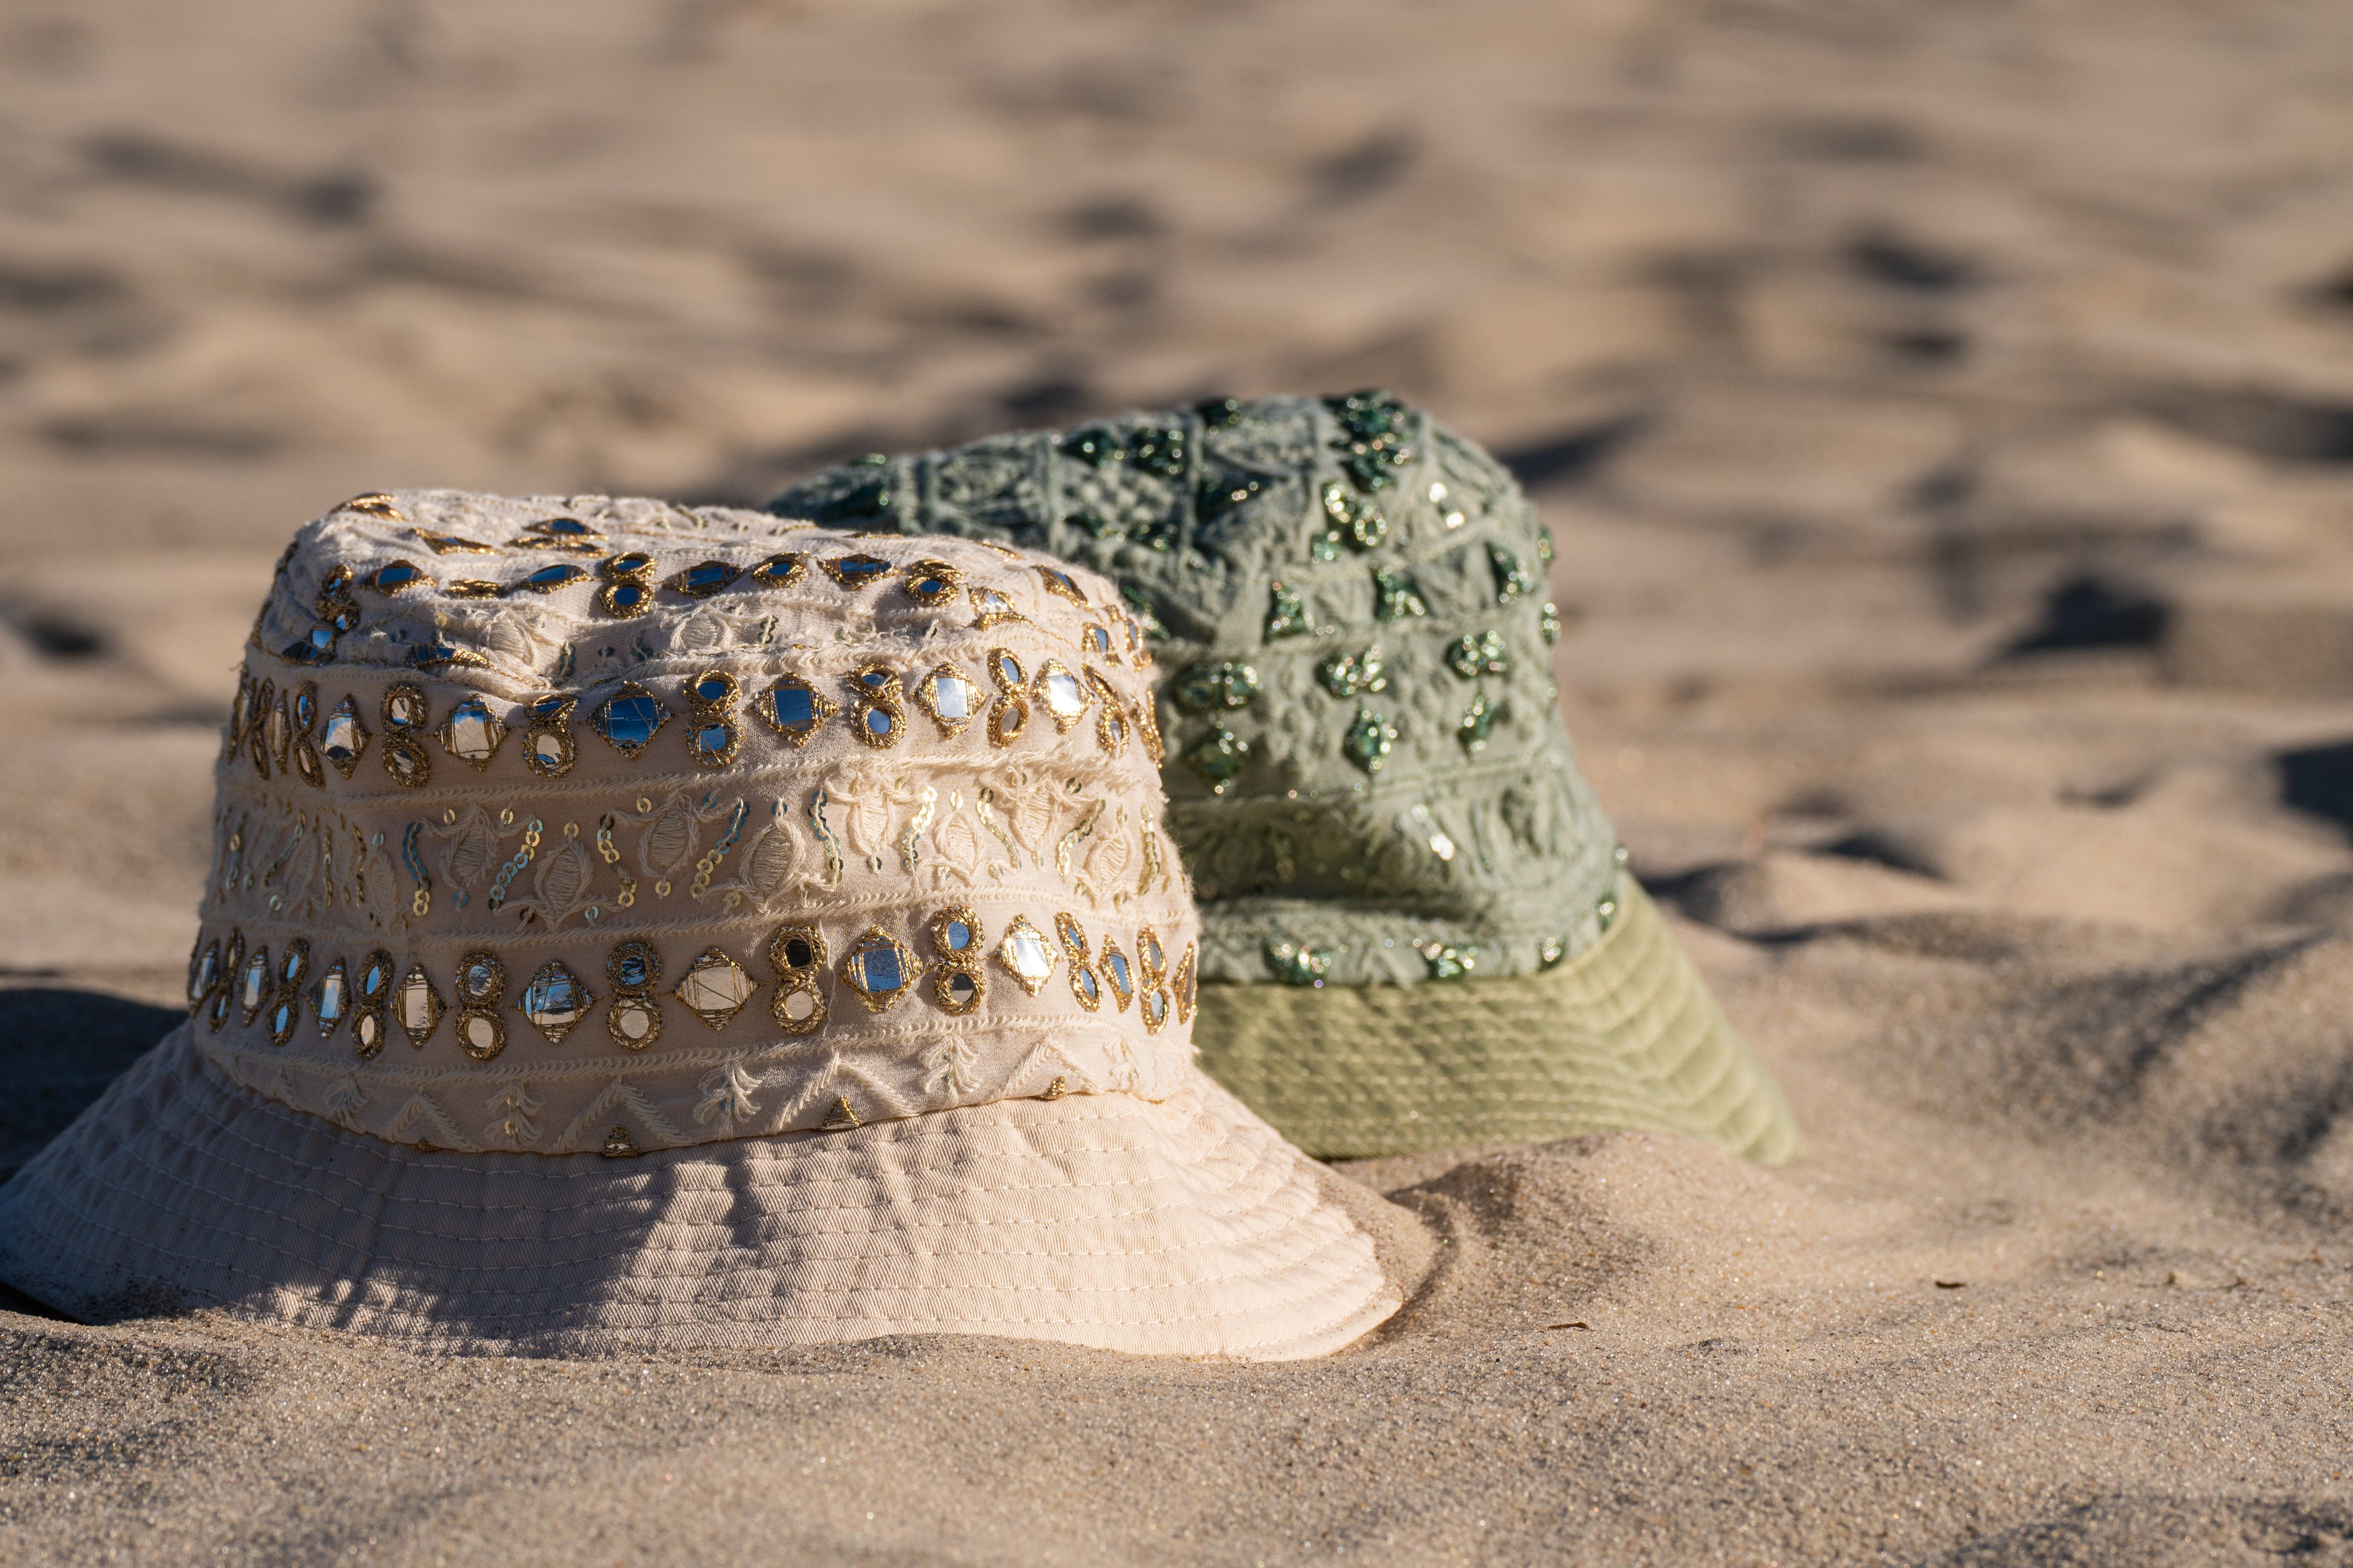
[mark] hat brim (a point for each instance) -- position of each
(1623, 1035)
(1185, 1226)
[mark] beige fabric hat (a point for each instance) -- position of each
(637, 925)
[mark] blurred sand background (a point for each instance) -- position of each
(1946, 413)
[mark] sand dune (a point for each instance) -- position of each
(1946, 416)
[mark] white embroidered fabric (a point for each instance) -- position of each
(1057, 831)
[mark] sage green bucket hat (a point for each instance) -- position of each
(1418, 931)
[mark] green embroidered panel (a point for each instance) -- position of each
(1366, 768)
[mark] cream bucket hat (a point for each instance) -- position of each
(634, 925)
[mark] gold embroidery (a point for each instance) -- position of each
(375, 504)
(711, 736)
(448, 543)
(305, 707)
(959, 939)
(855, 571)
(881, 969)
(344, 739)
(703, 579)
(626, 594)
(1152, 966)
(634, 1017)
(1060, 694)
(1010, 714)
(470, 732)
(372, 996)
(417, 1007)
(1111, 719)
(258, 719)
(796, 952)
(223, 999)
(286, 1006)
(1147, 723)
(629, 719)
(1026, 956)
(1096, 641)
(1115, 971)
(792, 708)
(481, 986)
(1188, 986)
(932, 584)
(404, 714)
(993, 608)
(397, 577)
(879, 712)
(1058, 583)
(549, 749)
(951, 699)
(715, 988)
(1084, 984)
(780, 571)
(555, 1000)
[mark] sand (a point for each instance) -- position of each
(1946, 413)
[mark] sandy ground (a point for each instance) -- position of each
(1946, 416)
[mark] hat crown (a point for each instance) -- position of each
(594, 825)
(1368, 774)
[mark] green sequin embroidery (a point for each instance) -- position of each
(1447, 960)
(1373, 425)
(1095, 445)
(1396, 597)
(1478, 723)
(1286, 612)
(1512, 580)
(1350, 521)
(1369, 741)
(1295, 963)
(1474, 654)
(1348, 674)
(1205, 686)
(1218, 756)
(1160, 450)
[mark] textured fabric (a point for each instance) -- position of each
(544, 840)
(1353, 632)
(1623, 1035)
(1185, 1226)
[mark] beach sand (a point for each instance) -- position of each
(1946, 418)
